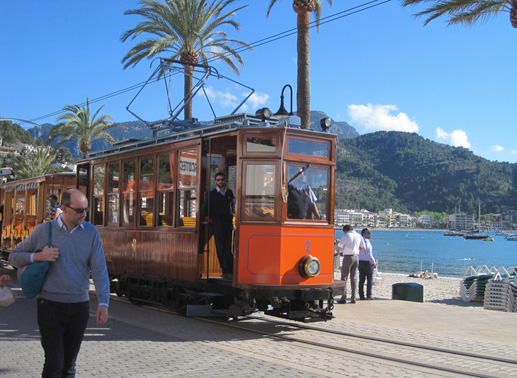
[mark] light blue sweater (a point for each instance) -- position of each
(80, 254)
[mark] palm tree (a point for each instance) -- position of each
(185, 30)
(466, 12)
(303, 8)
(78, 126)
(35, 163)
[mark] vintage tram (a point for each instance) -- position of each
(145, 198)
(24, 205)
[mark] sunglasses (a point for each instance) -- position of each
(219, 180)
(78, 211)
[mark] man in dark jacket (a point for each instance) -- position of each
(222, 209)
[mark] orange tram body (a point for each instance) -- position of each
(145, 199)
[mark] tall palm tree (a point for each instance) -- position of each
(35, 163)
(185, 30)
(79, 126)
(303, 9)
(465, 12)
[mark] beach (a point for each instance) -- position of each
(440, 291)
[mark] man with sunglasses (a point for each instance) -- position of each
(63, 303)
(222, 209)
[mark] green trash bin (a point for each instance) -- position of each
(407, 292)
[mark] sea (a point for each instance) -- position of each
(407, 252)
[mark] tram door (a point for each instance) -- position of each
(221, 156)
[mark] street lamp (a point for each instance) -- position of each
(283, 111)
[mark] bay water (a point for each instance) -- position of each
(407, 252)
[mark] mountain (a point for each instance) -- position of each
(128, 130)
(342, 129)
(404, 171)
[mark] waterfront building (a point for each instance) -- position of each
(461, 221)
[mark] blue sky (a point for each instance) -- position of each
(379, 69)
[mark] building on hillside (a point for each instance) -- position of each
(25, 148)
(7, 150)
(425, 220)
(461, 221)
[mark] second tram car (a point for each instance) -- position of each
(145, 199)
(24, 205)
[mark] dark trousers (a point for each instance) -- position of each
(223, 245)
(365, 273)
(62, 327)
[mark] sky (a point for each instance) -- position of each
(377, 69)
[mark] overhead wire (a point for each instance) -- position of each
(324, 20)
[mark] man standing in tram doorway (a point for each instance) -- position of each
(222, 210)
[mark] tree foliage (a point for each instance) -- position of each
(466, 12)
(190, 31)
(36, 163)
(79, 126)
(13, 133)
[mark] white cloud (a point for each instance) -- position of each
(514, 152)
(258, 99)
(496, 148)
(378, 117)
(227, 99)
(458, 138)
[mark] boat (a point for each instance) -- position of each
(512, 238)
(476, 235)
(453, 233)
(488, 239)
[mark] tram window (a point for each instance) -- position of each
(128, 193)
(308, 147)
(259, 196)
(187, 183)
(165, 190)
(307, 192)
(20, 202)
(260, 144)
(98, 195)
(113, 193)
(146, 190)
(30, 208)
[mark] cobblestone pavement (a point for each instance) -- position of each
(143, 342)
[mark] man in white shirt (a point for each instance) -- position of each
(349, 246)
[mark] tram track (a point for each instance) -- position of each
(445, 360)
(408, 356)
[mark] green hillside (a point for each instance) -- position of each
(407, 172)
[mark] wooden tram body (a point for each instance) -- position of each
(25, 204)
(146, 197)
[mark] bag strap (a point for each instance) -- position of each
(49, 233)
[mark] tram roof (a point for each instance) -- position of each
(35, 179)
(194, 130)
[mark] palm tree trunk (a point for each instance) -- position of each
(187, 88)
(303, 92)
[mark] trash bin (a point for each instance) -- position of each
(407, 292)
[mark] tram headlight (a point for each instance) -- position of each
(309, 266)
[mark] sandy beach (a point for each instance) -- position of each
(441, 291)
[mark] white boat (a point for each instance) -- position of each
(453, 233)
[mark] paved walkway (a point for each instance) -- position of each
(139, 342)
